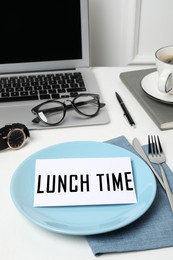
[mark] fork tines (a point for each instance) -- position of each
(154, 145)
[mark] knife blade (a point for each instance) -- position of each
(138, 148)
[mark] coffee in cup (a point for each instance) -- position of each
(164, 63)
(168, 59)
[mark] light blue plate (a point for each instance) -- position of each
(82, 220)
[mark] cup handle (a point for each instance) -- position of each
(163, 81)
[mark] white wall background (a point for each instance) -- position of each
(129, 31)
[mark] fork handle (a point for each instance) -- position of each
(167, 188)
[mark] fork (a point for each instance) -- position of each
(156, 155)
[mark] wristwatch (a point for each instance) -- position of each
(13, 136)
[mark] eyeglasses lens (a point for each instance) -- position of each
(51, 112)
(87, 105)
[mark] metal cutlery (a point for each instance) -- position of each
(138, 148)
(156, 155)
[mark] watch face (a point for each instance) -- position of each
(16, 138)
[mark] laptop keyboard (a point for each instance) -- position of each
(41, 86)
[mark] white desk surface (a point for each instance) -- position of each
(22, 240)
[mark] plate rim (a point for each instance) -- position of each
(73, 232)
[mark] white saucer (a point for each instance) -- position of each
(150, 86)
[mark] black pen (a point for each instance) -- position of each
(125, 110)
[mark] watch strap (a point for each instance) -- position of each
(3, 142)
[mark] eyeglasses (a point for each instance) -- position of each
(52, 112)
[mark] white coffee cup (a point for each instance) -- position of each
(164, 63)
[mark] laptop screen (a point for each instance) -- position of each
(36, 37)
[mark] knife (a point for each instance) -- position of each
(138, 148)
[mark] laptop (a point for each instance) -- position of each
(38, 42)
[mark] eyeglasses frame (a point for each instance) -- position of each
(35, 110)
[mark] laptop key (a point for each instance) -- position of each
(65, 96)
(46, 96)
(33, 92)
(9, 90)
(24, 93)
(76, 89)
(57, 96)
(15, 94)
(21, 98)
(5, 94)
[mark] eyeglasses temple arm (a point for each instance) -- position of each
(102, 105)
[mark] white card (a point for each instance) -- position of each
(84, 181)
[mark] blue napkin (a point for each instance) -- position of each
(153, 230)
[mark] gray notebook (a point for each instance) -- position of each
(161, 113)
